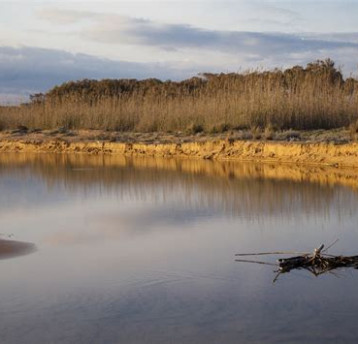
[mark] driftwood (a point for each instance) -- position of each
(316, 263)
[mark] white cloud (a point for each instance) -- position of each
(58, 16)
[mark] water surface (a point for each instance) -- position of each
(142, 251)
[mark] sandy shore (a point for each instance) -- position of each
(217, 148)
(10, 248)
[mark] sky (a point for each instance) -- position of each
(45, 43)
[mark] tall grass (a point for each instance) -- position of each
(313, 97)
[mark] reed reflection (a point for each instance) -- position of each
(137, 250)
(233, 188)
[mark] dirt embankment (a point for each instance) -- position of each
(332, 154)
(10, 248)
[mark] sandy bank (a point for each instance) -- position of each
(10, 248)
(305, 153)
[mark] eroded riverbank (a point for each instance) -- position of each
(302, 153)
(10, 248)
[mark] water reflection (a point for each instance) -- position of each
(235, 188)
(142, 251)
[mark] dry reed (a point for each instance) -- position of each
(314, 97)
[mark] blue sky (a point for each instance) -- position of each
(43, 43)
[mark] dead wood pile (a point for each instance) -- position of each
(318, 262)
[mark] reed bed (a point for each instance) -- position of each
(300, 98)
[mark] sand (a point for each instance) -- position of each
(10, 248)
(300, 153)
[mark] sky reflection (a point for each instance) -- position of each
(143, 251)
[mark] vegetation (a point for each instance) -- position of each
(298, 98)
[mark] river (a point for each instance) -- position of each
(143, 251)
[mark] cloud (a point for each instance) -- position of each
(64, 16)
(351, 37)
(27, 70)
(178, 36)
(120, 30)
(251, 49)
(187, 50)
(270, 16)
(270, 10)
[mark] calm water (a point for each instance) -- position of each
(142, 251)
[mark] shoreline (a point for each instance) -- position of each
(11, 248)
(282, 152)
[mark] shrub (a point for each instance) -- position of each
(353, 131)
(195, 129)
